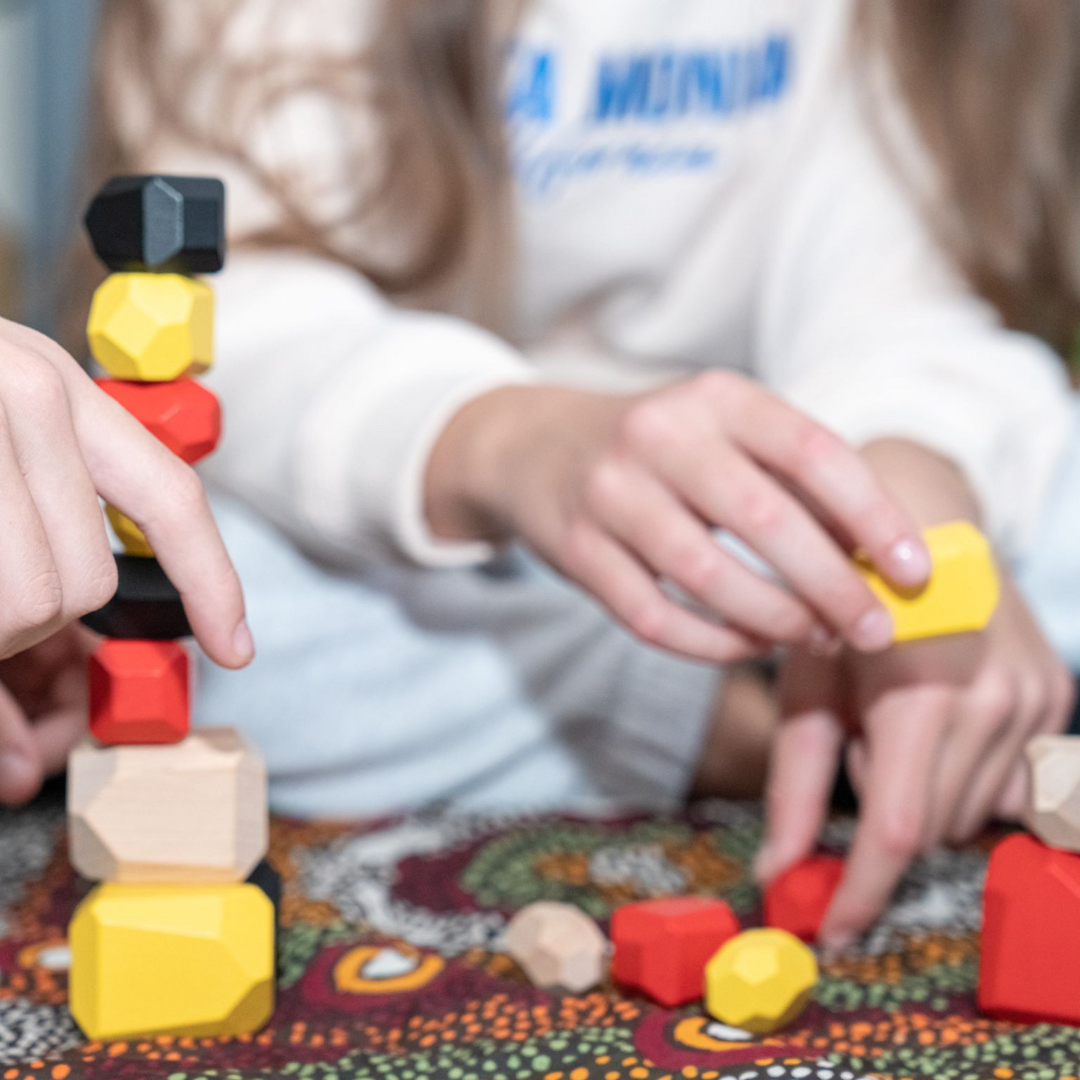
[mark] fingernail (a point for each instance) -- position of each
(909, 563)
(243, 642)
(874, 631)
(822, 641)
(18, 776)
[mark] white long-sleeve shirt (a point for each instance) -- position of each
(695, 187)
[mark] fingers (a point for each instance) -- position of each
(21, 772)
(737, 495)
(650, 521)
(31, 590)
(59, 484)
(633, 597)
(903, 750)
(823, 466)
(163, 496)
(803, 764)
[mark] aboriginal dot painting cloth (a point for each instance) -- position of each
(390, 965)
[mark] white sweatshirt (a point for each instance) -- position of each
(695, 189)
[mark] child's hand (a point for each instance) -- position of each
(62, 442)
(43, 711)
(937, 733)
(935, 730)
(620, 492)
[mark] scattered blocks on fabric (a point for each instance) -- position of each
(557, 945)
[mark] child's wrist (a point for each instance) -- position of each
(931, 488)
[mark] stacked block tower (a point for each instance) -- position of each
(178, 937)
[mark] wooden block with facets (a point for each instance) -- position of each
(961, 595)
(179, 960)
(185, 416)
(557, 945)
(1053, 812)
(146, 605)
(139, 692)
(152, 327)
(194, 812)
(159, 223)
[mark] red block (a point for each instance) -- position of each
(139, 692)
(185, 416)
(662, 946)
(798, 899)
(1028, 968)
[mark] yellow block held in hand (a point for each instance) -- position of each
(152, 327)
(129, 534)
(760, 981)
(962, 592)
(172, 960)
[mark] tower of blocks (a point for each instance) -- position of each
(178, 937)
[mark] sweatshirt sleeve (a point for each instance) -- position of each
(865, 325)
(333, 400)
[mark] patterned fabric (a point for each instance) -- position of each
(390, 966)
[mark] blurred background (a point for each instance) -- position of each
(44, 61)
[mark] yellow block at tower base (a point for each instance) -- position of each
(152, 327)
(962, 592)
(172, 960)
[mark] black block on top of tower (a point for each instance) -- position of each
(167, 224)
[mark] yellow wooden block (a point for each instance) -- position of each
(961, 594)
(760, 981)
(152, 327)
(172, 959)
(129, 534)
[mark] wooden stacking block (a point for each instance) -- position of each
(961, 595)
(661, 946)
(1053, 811)
(139, 692)
(159, 222)
(129, 534)
(557, 945)
(146, 605)
(1028, 970)
(760, 981)
(185, 416)
(185, 960)
(192, 813)
(797, 900)
(152, 327)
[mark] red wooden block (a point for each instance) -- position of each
(798, 899)
(139, 692)
(662, 946)
(1028, 970)
(185, 416)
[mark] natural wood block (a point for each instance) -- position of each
(961, 595)
(152, 327)
(172, 960)
(1053, 812)
(195, 812)
(760, 981)
(139, 692)
(185, 416)
(158, 223)
(557, 945)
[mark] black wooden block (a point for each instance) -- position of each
(146, 606)
(161, 223)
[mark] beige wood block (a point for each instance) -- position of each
(194, 812)
(1053, 812)
(557, 945)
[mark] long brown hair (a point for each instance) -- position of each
(992, 88)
